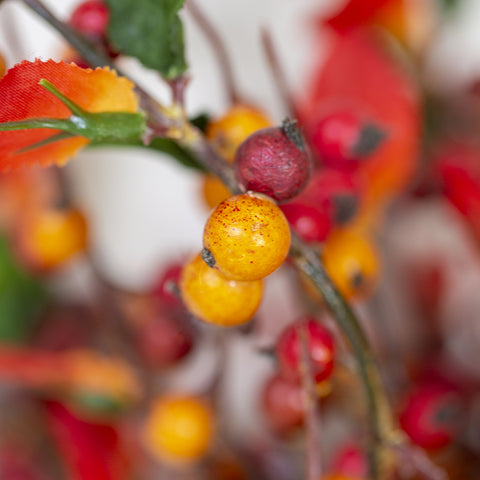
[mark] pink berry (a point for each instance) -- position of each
(282, 404)
(274, 161)
(91, 19)
(342, 139)
(310, 222)
(320, 345)
(431, 415)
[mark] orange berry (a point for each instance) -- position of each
(178, 429)
(214, 299)
(51, 237)
(229, 131)
(3, 66)
(214, 191)
(352, 262)
(247, 237)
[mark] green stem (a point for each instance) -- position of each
(53, 123)
(379, 413)
(72, 106)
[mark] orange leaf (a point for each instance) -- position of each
(21, 97)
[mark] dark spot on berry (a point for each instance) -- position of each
(208, 257)
(344, 208)
(357, 280)
(293, 133)
(369, 140)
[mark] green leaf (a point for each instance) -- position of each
(450, 4)
(172, 148)
(21, 298)
(151, 31)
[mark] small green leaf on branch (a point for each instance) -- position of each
(151, 31)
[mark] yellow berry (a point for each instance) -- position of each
(51, 237)
(214, 299)
(178, 429)
(246, 237)
(230, 130)
(352, 262)
(214, 191)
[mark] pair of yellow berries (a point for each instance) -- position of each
(246, 238)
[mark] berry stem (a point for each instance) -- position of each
(379, 412)
(218, 47)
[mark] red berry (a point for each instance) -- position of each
(320, 349)
(91, 19)
(310, 222)
(350, 461)
(167, 282)
(165, 339)
(343, 139)
(431, 415)
(282, 404)
(339, 191)
(274, 161)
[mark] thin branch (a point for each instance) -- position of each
(278, 73)
(312, 414)
(218, 46)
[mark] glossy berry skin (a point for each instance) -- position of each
(229, 131)
(211, 297)
(352, 262)
(342, 139)
(310, 222)
(247, 237)
(282, 404)
(320, 345)
(431, 415)
(178, 429)
(274, 161)
(91, 19)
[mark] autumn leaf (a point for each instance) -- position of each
(22, 98)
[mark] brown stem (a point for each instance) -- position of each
(312, 414)
(218, 46)
(278, 73)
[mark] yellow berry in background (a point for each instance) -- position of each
(178, 429)
(214, 191)
(229, 131)
(247, 237)
(352, 262)
(211, 297)
(49, 238)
